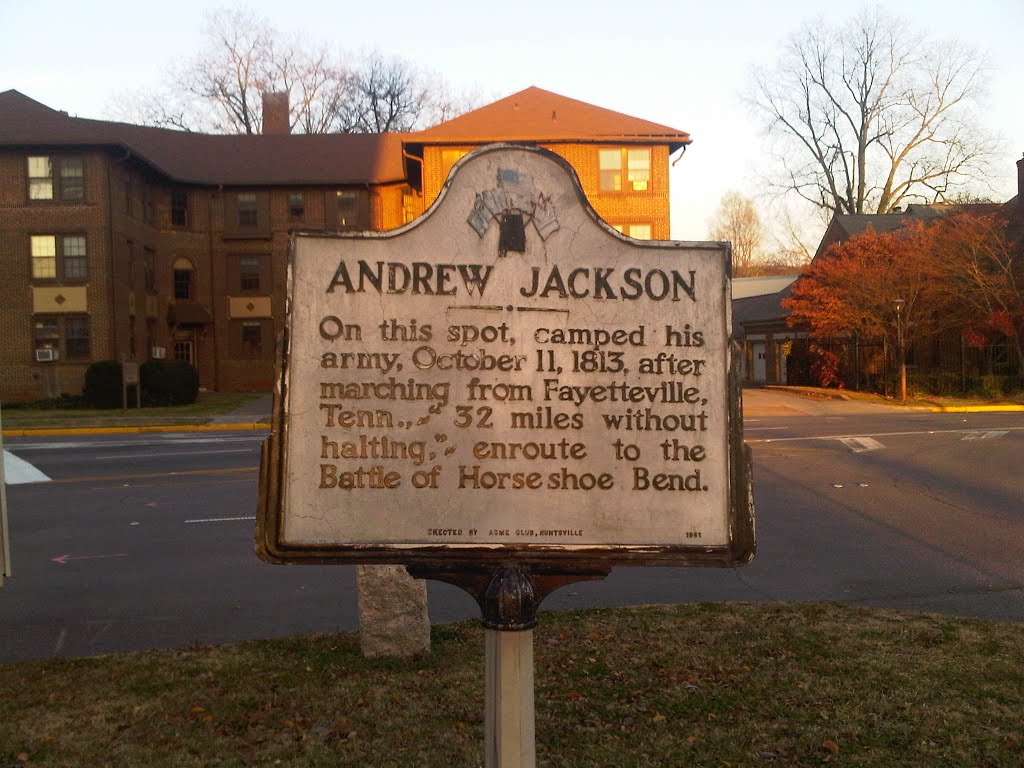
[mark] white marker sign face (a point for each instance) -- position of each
(508, 372)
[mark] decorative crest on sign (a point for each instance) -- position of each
(515, 202)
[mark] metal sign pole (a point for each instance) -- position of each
(509, 616)
(509, 596)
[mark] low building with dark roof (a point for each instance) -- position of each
(759, 324)
(122, 241)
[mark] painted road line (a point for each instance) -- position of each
(219, 519)
(861, 444)
(991, 434)
(18, 471)
(151, 475)
(121, 457)
(63, 559)
(874, 434)
(97, 445)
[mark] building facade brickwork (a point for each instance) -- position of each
(129, 243)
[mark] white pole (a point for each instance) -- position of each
(509, 712)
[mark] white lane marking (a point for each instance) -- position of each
(63, 559)
(876, 434)
(99, 445)
(985, 435)
(219, 519)
(861, 444)
(177, 453)
(18, 471)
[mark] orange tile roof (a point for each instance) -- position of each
(536, 115)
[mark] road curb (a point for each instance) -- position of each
(976, 408)
(134, 430)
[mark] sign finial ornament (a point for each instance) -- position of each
(515, 202)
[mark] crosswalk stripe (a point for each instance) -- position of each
(18, 471)
(861, 444)
(991, 434)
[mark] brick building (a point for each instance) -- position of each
(128, 242)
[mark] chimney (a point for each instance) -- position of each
(275, 114)
(1020, 180)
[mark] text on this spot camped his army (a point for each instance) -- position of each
(518, 399)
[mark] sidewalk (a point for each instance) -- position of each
(251, 415)
(255, 411)
(785, 401)
(815, 401)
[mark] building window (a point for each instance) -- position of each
(47, 333)
(76, 263)
(636, 231)
(249, 273)
(44, 257)
(179, 209)
(449, 157)
(248, 216)
(60, 178)
(149, 271)
(59, 257)
(252, 338)
(631, 165)
(296, 206)
(353, 209)
(410, 205)
(148, 209)
(76, 337)
(185, 351)
(183, 283)
(348, 209)
(66, 336)
(127, 189)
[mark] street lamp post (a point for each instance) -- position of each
(900, 343)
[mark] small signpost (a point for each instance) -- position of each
(129, 378)
(510, 396)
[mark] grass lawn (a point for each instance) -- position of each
(207, 405)
(703, 685)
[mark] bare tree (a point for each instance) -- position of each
(220, 89)
(737, 221)
(867, 115)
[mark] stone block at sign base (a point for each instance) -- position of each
(393, 619)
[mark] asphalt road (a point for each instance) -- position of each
(146, 541)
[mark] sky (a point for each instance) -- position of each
(685, 65)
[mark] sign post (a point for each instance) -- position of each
(509, 395)
(130, 377)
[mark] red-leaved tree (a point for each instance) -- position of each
(981, 273)
(871, 284)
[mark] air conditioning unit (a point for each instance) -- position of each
(158, 353)
(47, 355)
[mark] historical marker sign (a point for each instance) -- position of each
(507, 378)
